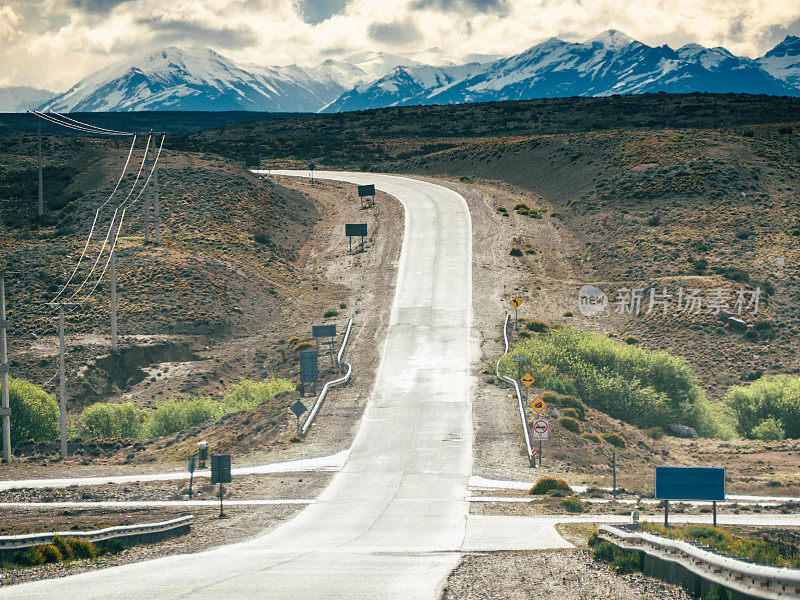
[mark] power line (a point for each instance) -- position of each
(113, 219)
(98, 128)
(61, 120)
(94, 222)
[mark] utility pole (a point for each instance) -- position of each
(156, 205)
(113, 300)
(146, 204)
(39, 161)
(62, 381)
(5, 411)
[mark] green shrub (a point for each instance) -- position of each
(29, 557)
(530, 251)
(776, 398)
(51, 554)
(181, 413)
(568, 314)
(295, 439)
(35, 412)
(574, 403)
(643, 387)
(64, 548)
(304, 346)
(342, 305)
(552, 397)
(524, 334)
(655, 433)
(570, 424)
(631, 340)
(521, 206)
(248, 394)
(623, 561)
(654, 221)
(293, 340)
(769, 430)
(331, 313)
(500, 209)
(537, 326)
(572, 413)
(573, 504)
(516, 252)
(549, 484)
(615, 440)
(592, 437)
(107, 420)
(81, 548)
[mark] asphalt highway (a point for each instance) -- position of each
(392, 522)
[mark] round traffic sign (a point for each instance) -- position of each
(540, 426)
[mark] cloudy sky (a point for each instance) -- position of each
(53, 43)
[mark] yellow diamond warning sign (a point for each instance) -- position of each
(527, 380)
(515, 302)
(538, 405)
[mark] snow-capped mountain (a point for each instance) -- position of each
(400, 85)
(609, 63)
(22, 98)
(783, 61)
(176, 79)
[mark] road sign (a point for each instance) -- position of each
(538, 405)
(366, 190)
(308, 366)
(298, 408)
(515, 302)
(527, 380)
(690, 483)
(323, 331)
(221, 468)
(541, 430)
(355, 229)
(192, 463)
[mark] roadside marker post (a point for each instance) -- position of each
(192, 467)
(221, 473)
(298, 408)
(614, 473)
(202, 453)
(311, 168)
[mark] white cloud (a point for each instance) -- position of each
(55, 42)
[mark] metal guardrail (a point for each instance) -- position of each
(344, 379)
(17, 542)
(519, 394)
(747, 578)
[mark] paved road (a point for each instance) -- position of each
(392, 521)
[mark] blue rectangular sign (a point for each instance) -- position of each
(308, 366)
(690, 483)
(318, 331)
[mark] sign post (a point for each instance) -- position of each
(325, 331)
(366, 191)
(192, 467)
(298, 408)
(690, 483)
(527, 381)
(352, 230)
(515, 302)
(308, 369)
(311, 168)
(541, 431)
(221, 473)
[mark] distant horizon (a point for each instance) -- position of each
(53, 45)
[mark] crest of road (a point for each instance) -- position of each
(392, 522)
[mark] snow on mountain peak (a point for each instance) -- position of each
(611, 38)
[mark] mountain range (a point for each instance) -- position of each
(609, 63)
